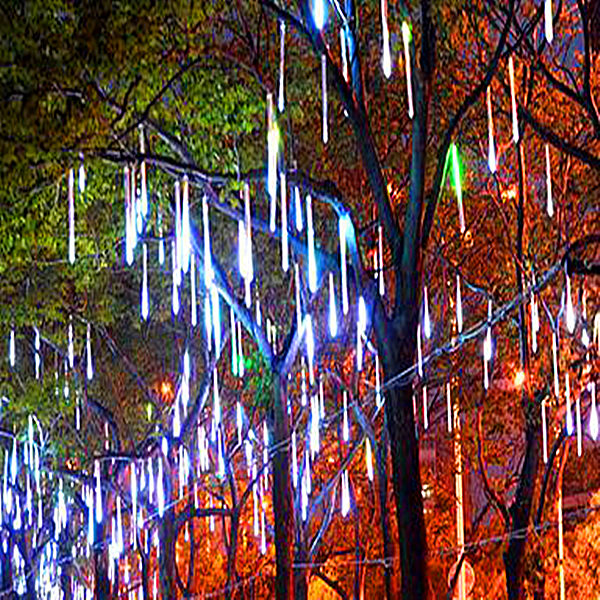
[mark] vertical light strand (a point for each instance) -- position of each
(406, 37)
(568, 404)
(449, 406)
(177, 265)
(174, 289)
(193, 301)
(249, 261)
(161, 241)
(380, 262)
(425, 409)
(145, 302)
(457, 186)
(71, 193)
(386, 56)
(569, 310)
(491, 145)
(513, 100)
(333, 325)
(186, 234)
(143, 180)
(234, 357)
(342, 226)
(298, 208)
(324, 97)
(281, 99)
(459, 311)
(272, 152)
(12, 352)
(38, 356)
(555, 363)
(548, 27)
(71, 350)
(549, 200)
(426, 318)
(310, 240)
(593, 411)
(88, 352)
(285, 254)
(344, 53)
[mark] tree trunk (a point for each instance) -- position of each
(406, 476)
(168, 585)
(101, 582)
(283, 502)
(381, 457)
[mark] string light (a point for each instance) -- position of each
(491, 145)
(343, 226)
(513, 100)
(386, 58)
(281, 101)
(324, 97)
(406, 37)
(549, 201)
(145, 302)
(548, 29)
(71, 193)
(333, 326)
(310, 240)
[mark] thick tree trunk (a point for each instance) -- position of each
(520, 512)
(406, 476)
(283, 502)
(102, 589)
(381, 457)
(168, 585)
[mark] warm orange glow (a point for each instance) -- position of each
(519, 378)
(166, 390)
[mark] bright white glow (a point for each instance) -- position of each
(310, 238)
(419, 352)
(570, 311)
(298, 208)
(369, 459)
(535, 323)
(555, 364)
(98, 494)
(88, 352)
(281, 102)
(234, 356)
(145, 300)
(377, 382)
(491, 145)
(272, 152)
(294, 461)
(71, 193)
(285, 255)
(343, 232)
(333, 326)
(386, 59)
(568, 403)
(406, 41)
(548, 27)
(297, 297)
(381, 275)
(345, 508)
(449, 406)
(81, 176)
(160, 490)
(38, 356)
(513, 100)
(310, 346)
(487, 343)
(12, 351)
(144, 184)
(175, 289)
(425, 409)
(240, 351)
(362, 316)
(344, 53)
(161, 241)
(426, 319)
(249, 265)
(319, 12)
(314, 426)
(194, 305)
(593, 412)
(459, 311)
(549, 201)
(71, 351)
(129, 222)
(176, 419)
(186, 235)
(325, 125)
(345, 424)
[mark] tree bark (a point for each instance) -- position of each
(381, 457)
(398, 355)
(283, 503)
(167, 534)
